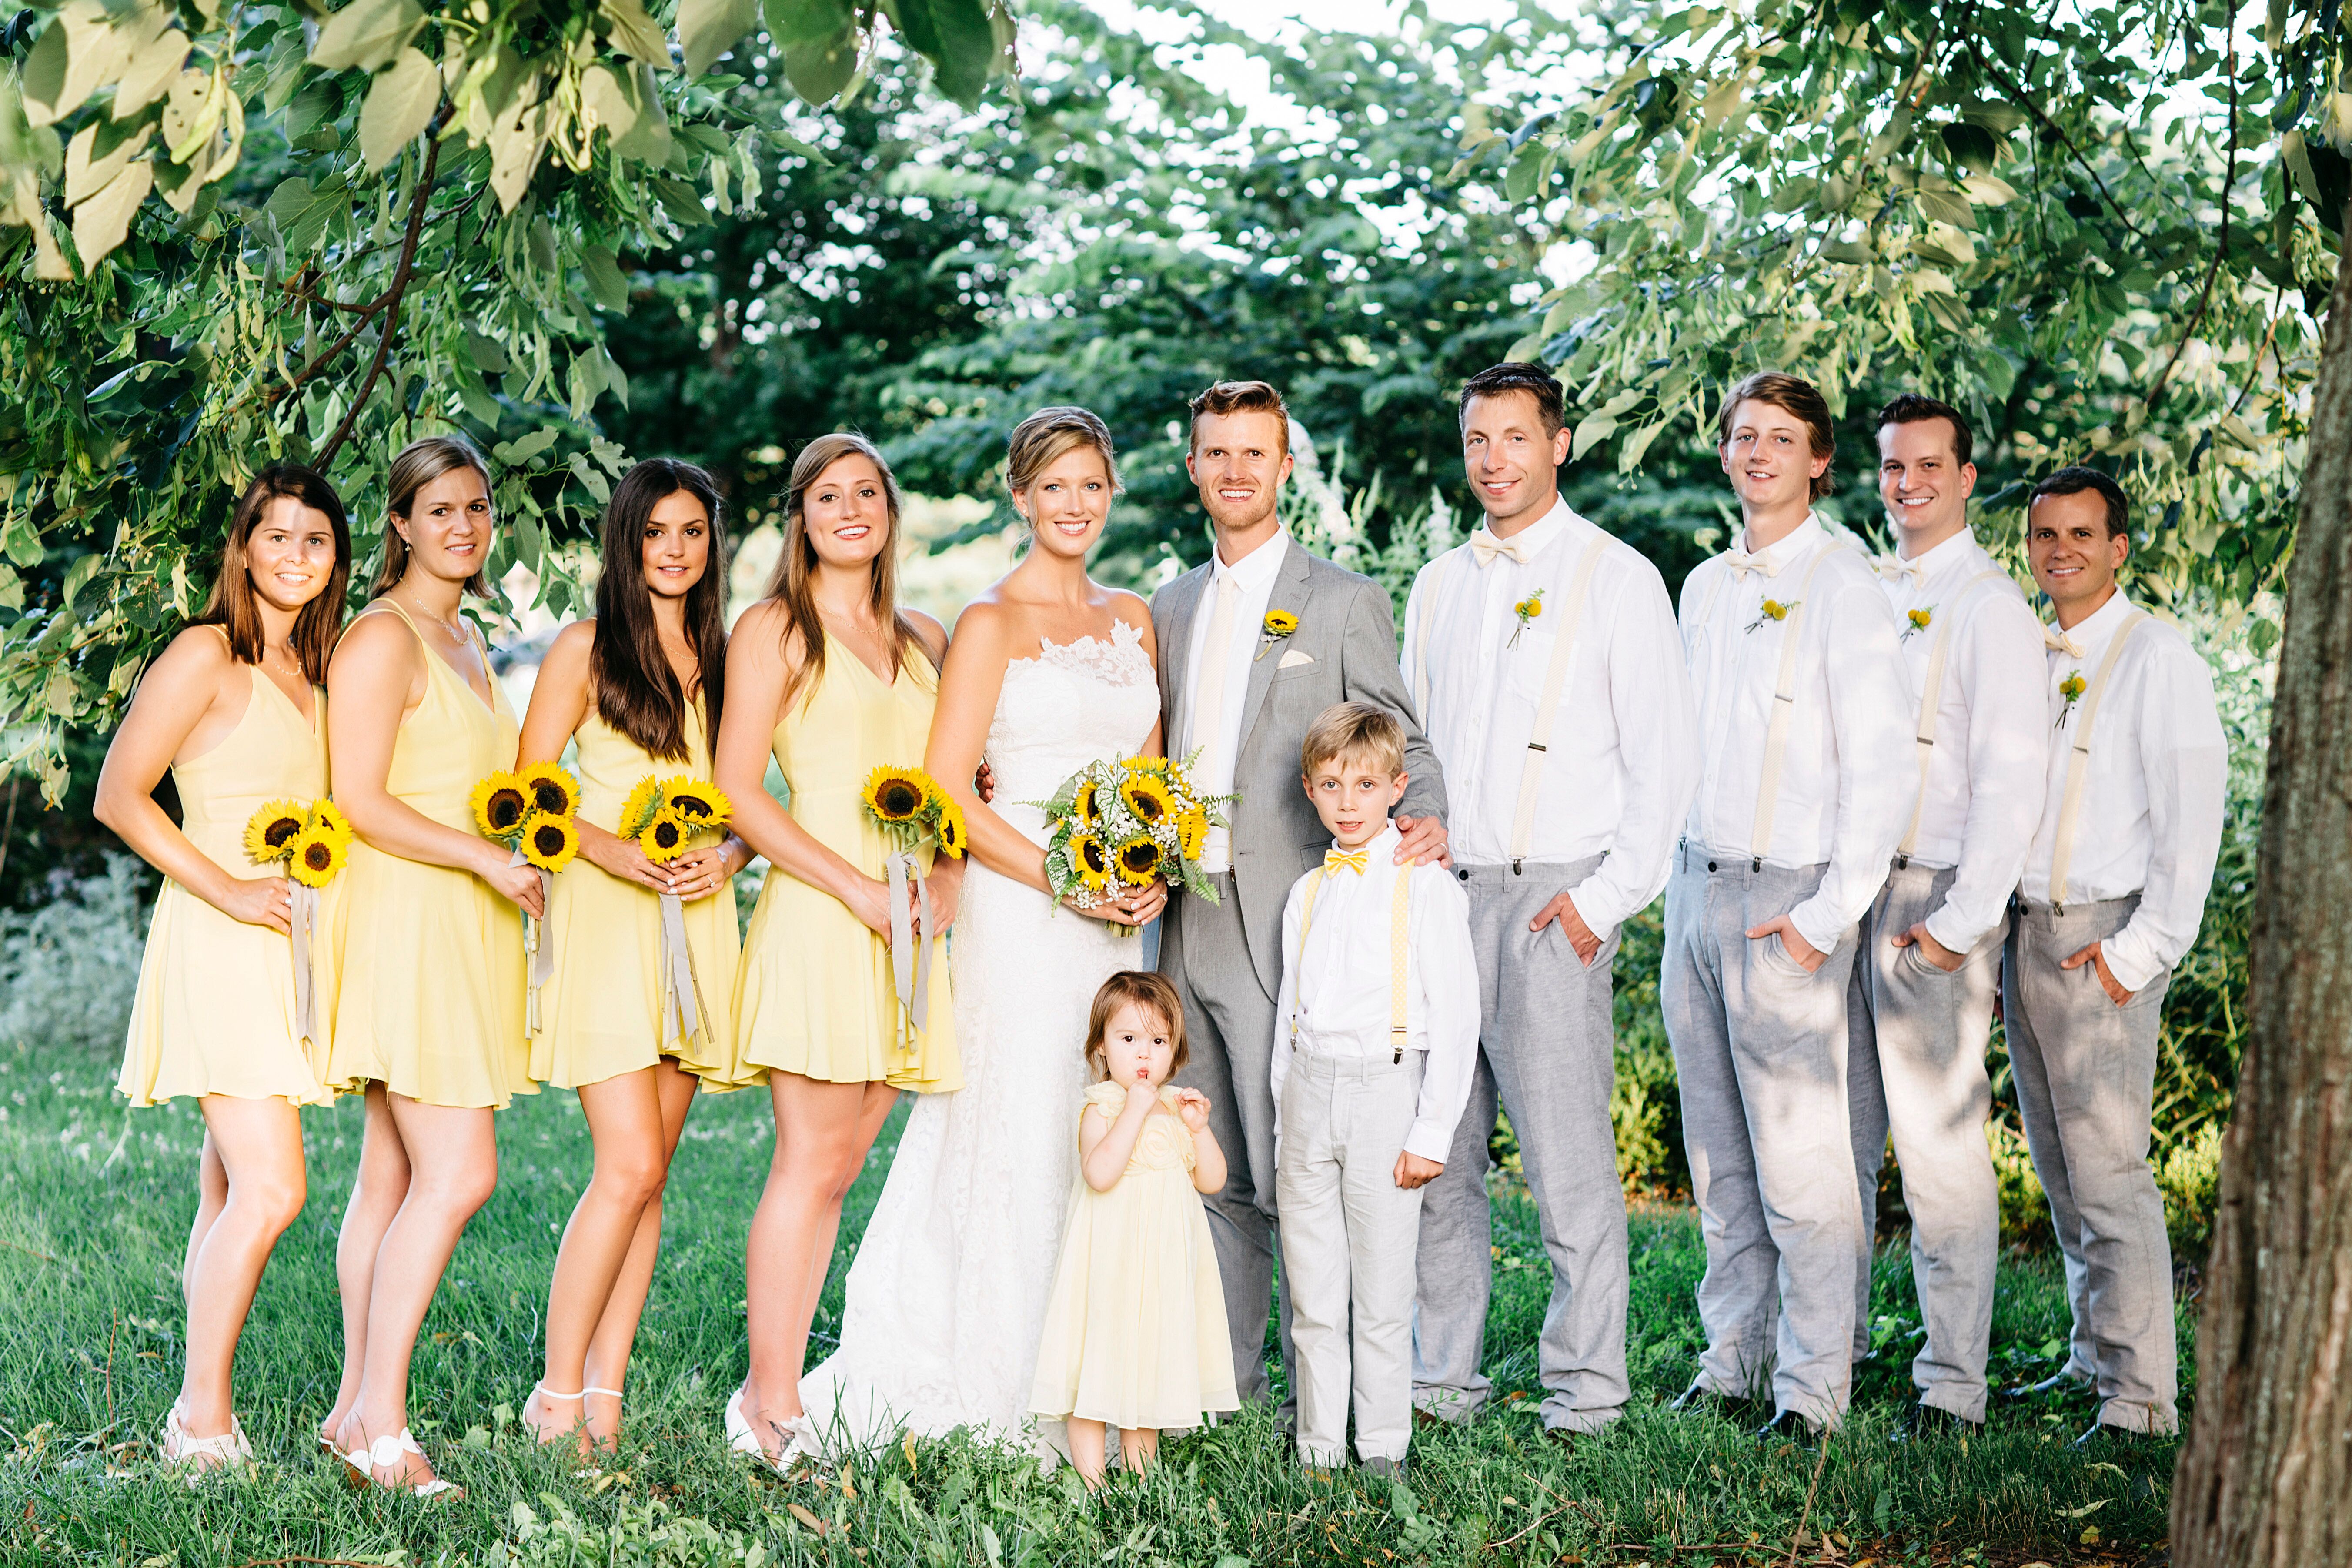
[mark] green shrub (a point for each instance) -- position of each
(67, 969)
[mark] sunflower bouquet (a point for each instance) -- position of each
(911, 809)
(530, 812)
(1120, 825)
(666, 817)
(312, 843)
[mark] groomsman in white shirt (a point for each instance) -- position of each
(1807, 778)
(1543, 659)
(1920, 1011)
(2114, 889)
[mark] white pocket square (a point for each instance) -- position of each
(1293, 659)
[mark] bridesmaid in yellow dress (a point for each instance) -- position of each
(233, 707)
(638, 691)
(830, 674)
(430, 1017)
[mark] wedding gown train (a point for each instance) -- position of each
(947, 1294)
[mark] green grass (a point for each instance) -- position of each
(94, 1204)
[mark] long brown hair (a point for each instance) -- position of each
(1152, 992)
(416, 464)
(230, 605)
(794, 583)
(637, 692)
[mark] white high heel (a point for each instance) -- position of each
(800, 1437)
(199, 1455)
(386, 1453)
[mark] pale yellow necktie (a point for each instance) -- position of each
(1209, 698)
(1354, 860)
(1484, 546)
(2054, 640)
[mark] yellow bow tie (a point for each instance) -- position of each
(1893, 566)
(2054, 639)
(1741, 563)
(1485, 546)
(1354, 860)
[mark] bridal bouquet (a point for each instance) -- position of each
(664, 816)
(312, 843)
(529, 810)
(1124, 824)
(911, 809)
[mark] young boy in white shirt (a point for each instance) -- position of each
(1376, 1035)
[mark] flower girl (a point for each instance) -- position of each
(1135, 1331)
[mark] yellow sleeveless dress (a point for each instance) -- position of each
(215, 1009)
(814, 994)
(431, 1002)
(600, 1013)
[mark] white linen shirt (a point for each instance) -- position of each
(2150, 821)
(1847, 774)
(1621, 759)
(1984, 772)
(1254, 576)
(1336, 990)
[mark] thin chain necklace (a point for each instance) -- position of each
(269, 657)
(456, 628)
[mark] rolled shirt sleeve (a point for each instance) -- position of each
(2002, 670)
(2184, 760)
(1448, 965)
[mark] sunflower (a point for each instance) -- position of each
(326, 815)
(270, 831)
(695, 801)
(1139, 860)
(549, 841)
(1082, 805)
(951, 831)
(1149, 797)
(552, 791)
(639, 808)
(499, 805)
(317, 854)
(1280, 623)
(1191, 833)
(1088, 858)
(663, 839)
(897, 794)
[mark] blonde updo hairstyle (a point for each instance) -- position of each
(1046, 436)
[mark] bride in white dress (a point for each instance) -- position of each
(1048, 670)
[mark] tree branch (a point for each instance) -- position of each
(2220, 248)
(391, 300)
(2017, 95)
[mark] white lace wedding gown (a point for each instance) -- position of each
(947, 1294)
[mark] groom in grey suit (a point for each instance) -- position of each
(1253, 646)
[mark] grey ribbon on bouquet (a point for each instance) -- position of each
(683, 1013)
(538, 943)
(303, 918)
(910, 963)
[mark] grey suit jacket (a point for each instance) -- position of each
(1347, 635)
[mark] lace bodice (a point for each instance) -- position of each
(1073, 703)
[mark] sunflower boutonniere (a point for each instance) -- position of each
(1526, 610)
(1772, 610)
(1916, 621)
(2070, 689)
(1278, 624)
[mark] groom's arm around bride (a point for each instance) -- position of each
(1254, 644)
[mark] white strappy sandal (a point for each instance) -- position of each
(802, 1441)
(555, 1434)
(199, 1456)
(387, 1452)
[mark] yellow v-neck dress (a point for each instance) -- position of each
(431, 958)
(215, 1010)
(601, 1011)
(814, 994)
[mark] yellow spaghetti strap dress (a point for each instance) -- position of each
(814, 994)
(432, 963)
(601, 1011)
(214, 1010)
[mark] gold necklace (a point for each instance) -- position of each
(456, 628)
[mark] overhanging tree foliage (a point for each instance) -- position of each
(233, 232)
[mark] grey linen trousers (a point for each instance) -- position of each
(1546, 1048)
(2085, 1073)
(1229, 1026)
(1760, 1051)
(1916, 1046)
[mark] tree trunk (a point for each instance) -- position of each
(2265, 1475)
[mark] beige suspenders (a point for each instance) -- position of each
(1784, 707)
(1932, 698)
(2078, 762)
(1398, 945)
(1441, 568)
(1523, 820)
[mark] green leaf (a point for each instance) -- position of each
(79, 54)
(96, 154)
(958, 39)
(1794, 193)
(524, 449)
(708, 28)
(149, 72)
(1971, 146)
(366, 34)
(819, 70)
(605, 280)
(102, 221)
(635, 34)
(399, 106)
(793, 21)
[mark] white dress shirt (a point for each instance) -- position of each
(1984, 781)
(2150, 821)
(1254, 577)
(1621, 759)
(1337, 989)
(1848, 773)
